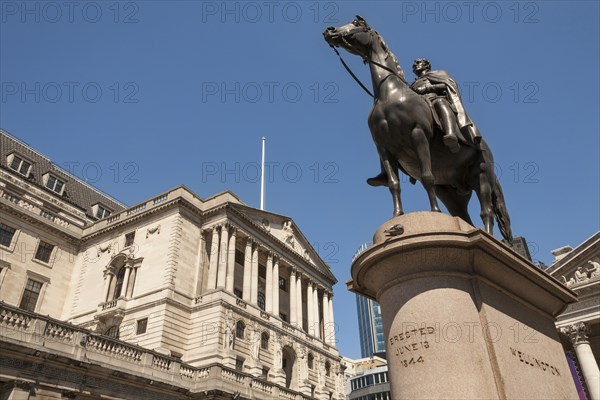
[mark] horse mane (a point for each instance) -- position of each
(389, 53)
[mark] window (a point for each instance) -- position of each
(262, 271)
(264, 341)
(55, 184)
(240, 329)
(239, 364)
(327, 368)
(44, 251)
(102, 212)
(11, 197)
(112, 332)
(283, 317)
(47, 215)
(20, 165)
(239, 257)
(311, 360)
(265, 372)
(119, 284)
(30, 295)
(129, 238)
(141, 326)
(283, 284)
(237, 293)
(6, 235)
(260, 300)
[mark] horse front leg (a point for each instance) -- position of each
(390, 165)
(421, 147)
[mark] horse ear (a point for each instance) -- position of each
(361, 19)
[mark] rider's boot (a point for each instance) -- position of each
(451, 142)
(448, 120)
(379, 180)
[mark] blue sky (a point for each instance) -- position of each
(139, 97)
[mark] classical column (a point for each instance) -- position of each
(310, 308)
(578, 335)
(132, 276)
(111, 288)
(230, 261)
(276, 287)
(326, 325)
(293, 298)
(127, 267)
(299, 299)
(222, 270)
(269, 284)
(108, 276)
(331, 322)
(214, 258)
(254, 276)
(247, 270)
(316, 311)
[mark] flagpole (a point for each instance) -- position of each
(262, 176)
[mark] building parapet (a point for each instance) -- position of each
(53, 339)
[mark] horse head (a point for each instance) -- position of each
(355, 37)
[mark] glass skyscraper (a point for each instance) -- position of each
(370, 327)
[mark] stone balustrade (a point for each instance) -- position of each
(47, 335)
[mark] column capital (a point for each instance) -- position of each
(577, 332)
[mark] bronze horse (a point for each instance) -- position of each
(407, 138)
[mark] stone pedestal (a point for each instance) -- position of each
(464, 317)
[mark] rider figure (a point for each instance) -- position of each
(441, 92)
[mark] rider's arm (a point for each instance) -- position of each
(439, 88)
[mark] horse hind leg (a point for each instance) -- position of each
(456, 203)
(421, 147)
(484, 193)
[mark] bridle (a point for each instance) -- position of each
(366, 58)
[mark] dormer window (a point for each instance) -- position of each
(19, 164)
(100, 211)
(54, 184)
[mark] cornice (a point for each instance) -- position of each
(39, 222)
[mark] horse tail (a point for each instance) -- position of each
(500, 211)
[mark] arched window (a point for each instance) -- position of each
(240, 329)
(264, 341)
(119, 284)
(112, 332)
(260, 300)
(327, 368)
(311, 360)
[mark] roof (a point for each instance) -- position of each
(76, 191)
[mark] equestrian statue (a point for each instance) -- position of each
(423, 130)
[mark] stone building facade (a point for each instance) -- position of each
(579, 269)
(175, 297)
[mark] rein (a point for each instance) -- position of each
(366, 60)
(352, 73)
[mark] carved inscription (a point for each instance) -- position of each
(410, 343)
(534, 362)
